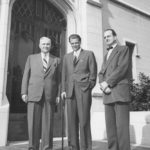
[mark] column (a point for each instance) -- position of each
(4, 45)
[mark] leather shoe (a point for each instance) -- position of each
(30, 148)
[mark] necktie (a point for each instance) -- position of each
(44, 64)
(109, 48)
(74, 60)
(109, 52)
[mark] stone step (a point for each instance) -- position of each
(57, 144)
(18, 131)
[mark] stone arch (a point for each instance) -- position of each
(67, 10)
(66, 7)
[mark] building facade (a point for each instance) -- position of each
(23, 22)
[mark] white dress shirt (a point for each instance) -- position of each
(45, 56)
(77, 53)
(110, 51)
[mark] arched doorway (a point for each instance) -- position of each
(31, 19)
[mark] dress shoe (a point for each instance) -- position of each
(74, 148)
(31, 148)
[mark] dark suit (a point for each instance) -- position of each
(42, 89)
(116, 72)
(78, 81)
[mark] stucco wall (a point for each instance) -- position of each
(132, 26)
(143, 5)
(94, 32)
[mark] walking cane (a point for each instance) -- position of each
(62, 123)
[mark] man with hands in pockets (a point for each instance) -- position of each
(79, 74)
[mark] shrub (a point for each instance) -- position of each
(140, 94)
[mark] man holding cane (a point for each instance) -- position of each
(79, 74)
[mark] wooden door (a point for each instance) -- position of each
(31, 19)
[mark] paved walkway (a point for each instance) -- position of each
(97, 145)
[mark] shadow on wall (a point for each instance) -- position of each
(140, 128)
(132, 134)
(107, 16)
(146, 131)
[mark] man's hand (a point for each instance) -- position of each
(107, 90)
(57, 100)
(25, 98)
(103, 85)
(63, 95)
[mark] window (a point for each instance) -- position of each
(133, 53)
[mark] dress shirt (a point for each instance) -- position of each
(110, 51)
(77, 53)
(45, 56)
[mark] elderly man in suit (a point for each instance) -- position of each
(40, 88)
(114, 79)
(78, 78)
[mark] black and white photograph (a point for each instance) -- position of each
(74, 75)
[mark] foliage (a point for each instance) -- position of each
(140, 94)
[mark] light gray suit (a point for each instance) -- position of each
(78, 81)
(116, 71)
(42, 89)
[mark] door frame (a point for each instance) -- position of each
(73, 26)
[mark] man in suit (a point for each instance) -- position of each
(114, 80)
(40, 87)
(79, 73)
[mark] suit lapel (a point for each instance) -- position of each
(107, 62)
(71, 58)
(39, 62)
(49, 65)
(49, 62)
(80, 56)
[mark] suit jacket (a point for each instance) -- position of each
(35, 81)
(84, 73)
(116, 71)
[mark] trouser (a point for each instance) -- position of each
(117, 126)
(40, 124)
(78, 110)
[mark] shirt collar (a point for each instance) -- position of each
(114, 45)
(45, 55)
(77, 52)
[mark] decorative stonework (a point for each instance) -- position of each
(72, 1)
(95, 2)
(24, 8)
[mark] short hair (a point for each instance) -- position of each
(44, 37)
(74, 36)
(112, 30)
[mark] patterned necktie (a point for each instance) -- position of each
(44, 64)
